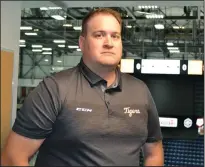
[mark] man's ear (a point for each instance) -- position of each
(81, 42)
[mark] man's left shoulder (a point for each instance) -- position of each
(132, 81)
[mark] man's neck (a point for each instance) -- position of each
(107, 73)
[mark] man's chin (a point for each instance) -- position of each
(109, 64)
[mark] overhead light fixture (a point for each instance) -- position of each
(170, 44)
(73, 47)
(159, 26)
(47, 49)
(174, 51)
(36, 46)
(77, 28)
(25, 28)
(61, 46)
(154, 16)
(46, 60)
(148, 7)
(58, 41)
(36, 29)
(58, 17)
(67, 25)
(22, 45)
(43, 8)
(36, 50)
(30, 33)
(22, 41)
(59, 61)
(173, 48)
(178, 27)
(78, 49)
(128, 26)
(47, 53)
(54, 8)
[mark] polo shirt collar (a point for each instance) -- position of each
(95, 79)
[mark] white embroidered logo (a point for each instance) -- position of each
(131, 111)
(84, 109)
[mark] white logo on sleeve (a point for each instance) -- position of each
(84, 109)
(131, 111)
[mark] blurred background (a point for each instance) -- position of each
(46, 42)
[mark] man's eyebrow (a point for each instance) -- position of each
(112, 32)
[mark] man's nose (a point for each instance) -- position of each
(108, 41)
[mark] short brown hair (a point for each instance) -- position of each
(108, 11)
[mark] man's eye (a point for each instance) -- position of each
(98, 35)
(115, 36)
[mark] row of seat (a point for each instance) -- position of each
(182, 152)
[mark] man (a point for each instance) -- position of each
(91, 114)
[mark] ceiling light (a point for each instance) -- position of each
(36, 30)
(72, 47)
(47, 49)
(22, 41)
(25, 28)
(77, 28)
(174, 51)
(37, 46)
(61, 46)
(30, 33)
(178, 27)
(175, 27)
(159, 26)
(170, 44)
(129, 26)
(151, 16)
(22, 45)
(78, 49)
(46, 60)
(43, 8)
(36, 50)
(172, 48)
(47, 53)
(59, 61)
(58, 17)
(58, 41)
(54, 8)
(67, 25)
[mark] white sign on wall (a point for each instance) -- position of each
(153, 66)
(168, 122)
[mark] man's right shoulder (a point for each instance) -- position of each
(65, 75)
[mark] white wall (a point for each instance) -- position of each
(10, 35)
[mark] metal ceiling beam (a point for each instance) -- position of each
(40, 27)
(62, 5)
(124, 18)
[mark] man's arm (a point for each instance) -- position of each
(153, 148)
(153, 154)
(33, 124)
(19, 149)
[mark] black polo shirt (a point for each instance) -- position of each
(86, 123)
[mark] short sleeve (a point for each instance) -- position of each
(39, 111)
(153, 125)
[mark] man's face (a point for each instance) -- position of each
(102, 43)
